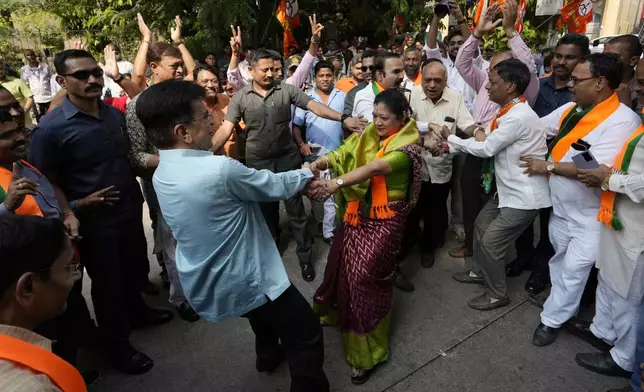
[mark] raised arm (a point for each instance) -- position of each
(431, 43)
(304, 70)
(139, 158)
(455, 10)
(519, 49)
(253, 185)
(111, 69)
(140, 65)
(188, 60)
(233, 74)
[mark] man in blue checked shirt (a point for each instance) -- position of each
(322, 135)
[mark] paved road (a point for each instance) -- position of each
(437, 344)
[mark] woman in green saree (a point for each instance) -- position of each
(378, 174)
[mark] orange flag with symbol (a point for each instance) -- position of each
(287, 14)
(577, 14)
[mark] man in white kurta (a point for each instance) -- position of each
(574, 229)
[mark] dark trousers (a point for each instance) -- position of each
(111, 256)
(294, 207)
(545, 251)
(40, 109)
(290, 320)
(432, 209)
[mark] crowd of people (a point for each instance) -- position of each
(378, 140)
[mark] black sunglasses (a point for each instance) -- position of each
(84, 75)
(364, 68)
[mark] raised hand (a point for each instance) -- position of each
(111, 67)
(236, 40)
(509, 10)
(18, 189)
(316, 29)
(143, 28)
(78, 44)
(487, 24)
(455, 10)
(106, 196)
(175, 32)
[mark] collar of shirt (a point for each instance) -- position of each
(251, 89)
(26, 336)
(550, 82)
(178, 153)
(314, 94)
(71, 110)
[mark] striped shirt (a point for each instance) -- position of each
(18, 378)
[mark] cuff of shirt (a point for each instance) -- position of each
(307, 173)
(74, 206)
(615, 182)
(4, 210)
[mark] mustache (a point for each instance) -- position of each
(93, 86)
(18, 144)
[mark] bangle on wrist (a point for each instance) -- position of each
(513, 33)
(476, 36)
(344, 117)
(147, 41)
(301, 144)
(65, 215)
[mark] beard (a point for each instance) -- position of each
(411, 70)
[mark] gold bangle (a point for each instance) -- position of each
(328, 162)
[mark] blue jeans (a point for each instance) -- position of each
(639, 354)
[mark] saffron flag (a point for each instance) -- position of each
(287, 14)
(577, 14)
(482, 5)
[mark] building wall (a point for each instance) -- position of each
(621, 16)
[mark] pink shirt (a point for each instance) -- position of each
(484, 109)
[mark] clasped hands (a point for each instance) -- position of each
(319, 189)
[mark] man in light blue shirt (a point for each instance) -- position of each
(227, 260)
(322, 135)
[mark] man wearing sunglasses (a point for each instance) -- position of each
(367, 71)
(601, 121)
(82, 148)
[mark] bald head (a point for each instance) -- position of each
(434, 80)
(501, 56)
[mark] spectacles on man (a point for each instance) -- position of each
(71, 268)
(84, 75)
(365, 68)
(574, 80)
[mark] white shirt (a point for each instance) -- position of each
(454, 79)
(125, 67)
(451, 104)
(571, 199)
(38, 79)
(518, 134)
(363, 104)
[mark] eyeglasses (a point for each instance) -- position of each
(71, 268)
(84, 75)
(574, 80)
(364, 68)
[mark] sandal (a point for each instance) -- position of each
(360, 376)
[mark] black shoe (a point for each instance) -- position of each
(186, 312)
(308, 272)
(544, 335)
(516, 268)
(402, 283)
(91, 377)
(150, 317)
(537, 282)
(427, 259)
(270, 364)
(130, 361)
(150, 288)
(601, 363)
(581, 329)
(466, 277)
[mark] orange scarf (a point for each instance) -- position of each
(606, 213)
(586, 125)
(379, 200)
(29, 205)
(36, 358)
(504, 110)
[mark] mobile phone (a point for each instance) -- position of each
(585, 160)
(316, 149)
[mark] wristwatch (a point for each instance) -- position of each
(339, 182)
(513, 34)
(119, 79)
(606, 183)
(551, 168)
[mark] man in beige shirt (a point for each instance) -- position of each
(38, 274)
(432, 102)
